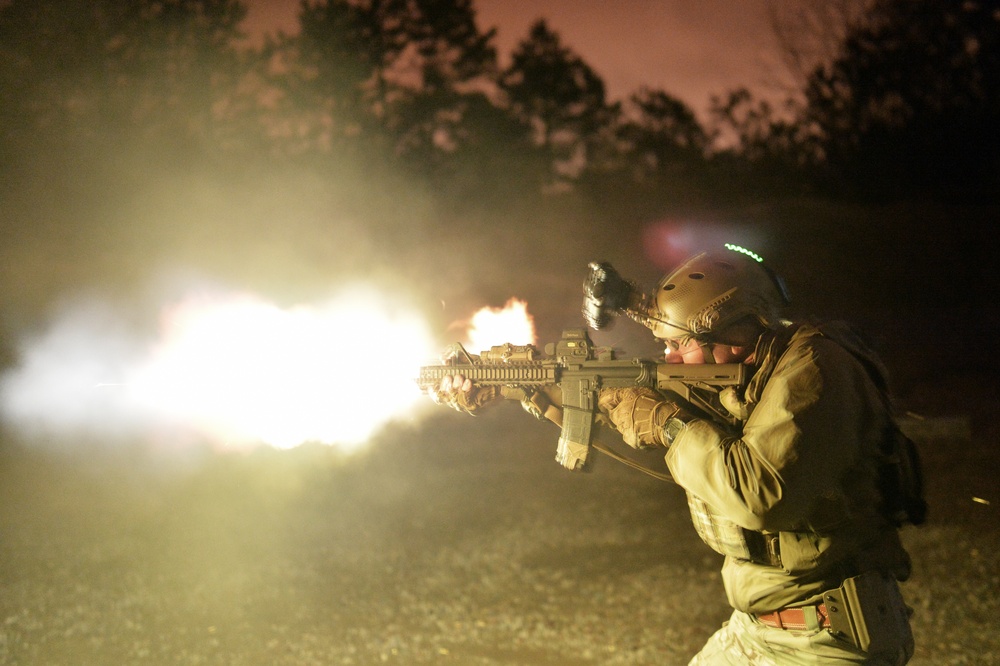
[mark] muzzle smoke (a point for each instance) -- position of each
(235, 371)
(230, 369)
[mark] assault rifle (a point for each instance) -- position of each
(581, 369)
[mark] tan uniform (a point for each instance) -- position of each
(801, 478)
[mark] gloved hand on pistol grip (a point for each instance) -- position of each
(460, 393)
(639, 414)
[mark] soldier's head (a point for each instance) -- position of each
(716, 299)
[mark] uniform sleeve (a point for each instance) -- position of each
(805, 432)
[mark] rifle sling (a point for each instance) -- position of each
(631, 463)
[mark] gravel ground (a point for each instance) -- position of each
(460, 541)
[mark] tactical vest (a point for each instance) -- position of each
(727, 538)
(720, 534)
(901, 485)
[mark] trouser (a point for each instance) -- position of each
(864, 621)
(743, 641)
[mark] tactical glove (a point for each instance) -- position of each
(639, 414)
(461, 394)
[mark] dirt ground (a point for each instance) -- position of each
(456, 541)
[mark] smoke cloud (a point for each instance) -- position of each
(223, 367)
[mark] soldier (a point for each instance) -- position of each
(798, 498)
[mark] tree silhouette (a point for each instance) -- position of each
(661, 135)
(79, 69)
(392, 73)
(552, 89)
(444, 68)
(908, 106)
(912, 103)
(322, 89)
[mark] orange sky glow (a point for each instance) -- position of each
(692, 50)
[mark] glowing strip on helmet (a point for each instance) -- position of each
(742, 250)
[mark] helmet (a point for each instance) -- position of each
(713, 290)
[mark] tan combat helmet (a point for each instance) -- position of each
(713, 290)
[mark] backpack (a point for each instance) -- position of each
(900, 475)
(901, 479)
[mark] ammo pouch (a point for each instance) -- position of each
(868, 612)
(727, 538)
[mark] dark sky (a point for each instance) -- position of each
(690, 48)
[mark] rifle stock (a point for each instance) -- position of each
(581, 369)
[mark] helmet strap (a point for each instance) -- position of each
(707, 350)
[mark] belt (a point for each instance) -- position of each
(800, 619)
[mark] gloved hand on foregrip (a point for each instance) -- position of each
(639, 414)
(460, 393)
(464, 395)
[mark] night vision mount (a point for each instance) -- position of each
(606, 294)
